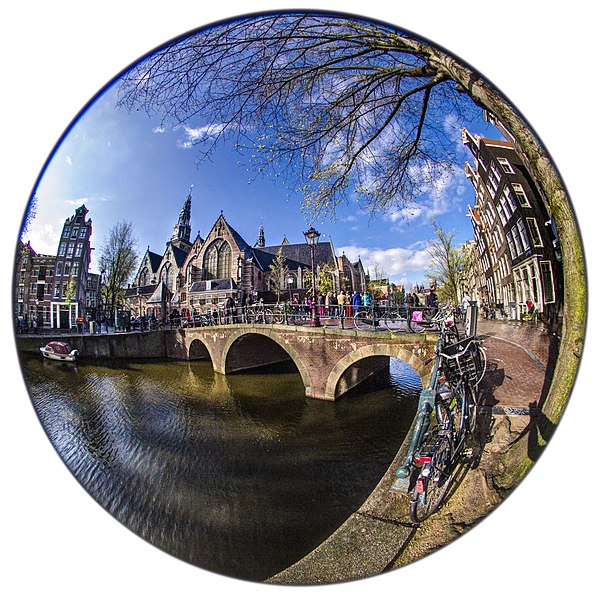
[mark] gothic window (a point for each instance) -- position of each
(166, 275)
(217, 260)
(143, 279)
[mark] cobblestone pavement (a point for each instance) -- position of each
(520, 363)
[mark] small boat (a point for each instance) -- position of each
(59, 351)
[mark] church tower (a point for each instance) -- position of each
(183, 229)
(260, 243)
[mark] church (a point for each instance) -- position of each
(192, 275)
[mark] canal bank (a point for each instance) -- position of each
(379, 536)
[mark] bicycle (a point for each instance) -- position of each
(366, 319)
(397, 320)
(459, 368)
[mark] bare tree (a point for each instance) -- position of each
(278, 271)
(349, 108)
(339, 105)
(118, 259)
(446, 264)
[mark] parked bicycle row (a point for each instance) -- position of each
(377, 317)
(447, 420)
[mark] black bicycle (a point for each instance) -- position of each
(459, 368)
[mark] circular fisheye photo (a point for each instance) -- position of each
(290, 298)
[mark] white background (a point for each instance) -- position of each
(57, 55)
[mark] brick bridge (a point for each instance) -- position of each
(330, 361)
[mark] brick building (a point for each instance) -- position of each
(191, 275)
(519, 265)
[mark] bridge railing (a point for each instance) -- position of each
(376, 317)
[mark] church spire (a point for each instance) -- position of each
(260, 243)
(183, 230)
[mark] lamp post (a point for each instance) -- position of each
(312, 237)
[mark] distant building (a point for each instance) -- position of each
(520, 268)
(71, 271)
(193, 275)
(51, 290)
(93, 295)
(33, 287)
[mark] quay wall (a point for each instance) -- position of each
(167, 344)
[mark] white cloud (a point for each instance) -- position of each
(441, 196)
(193, 136)
(68, 160)
(398, 263)
(44, 239)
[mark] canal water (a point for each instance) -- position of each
(240, 475)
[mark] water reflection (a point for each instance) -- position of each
(240, 475)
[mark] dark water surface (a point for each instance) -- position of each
(240, 475)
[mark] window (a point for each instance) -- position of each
(515, 244)
(510, 199)
(534, 232)
(57, 290)
(78, 250)
(66, 232)
(75, 269)
(70, 250)
(166, 276)
(495, 173)
(61, 249)
(547, 281)
(523, 234)
(67, 269)
(505, 165)
(59, 266)
(42, 272)
(40, 291)
(217, 260)
(521, 196)
(75, 232)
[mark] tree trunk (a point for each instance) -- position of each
(545, 175)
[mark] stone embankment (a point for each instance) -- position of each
(380, 535)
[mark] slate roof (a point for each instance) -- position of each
(145, 290)
(296, 255)
(161, 294)
(155, 260)
(213, 285)
(179, 254)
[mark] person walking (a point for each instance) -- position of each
(356, 301)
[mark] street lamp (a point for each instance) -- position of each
(312, 237)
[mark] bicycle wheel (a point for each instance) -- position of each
(431, 488)
(395, 323)
(415, 326)
(448, 407)
(278, 316)
(268, 316)
(471, 398)
(251, 316)
(362, 321)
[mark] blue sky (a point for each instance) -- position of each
(124, 166)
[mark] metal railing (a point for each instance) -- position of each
(375, 317)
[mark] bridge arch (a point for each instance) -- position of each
(378, 350)
(198, 350)
(266, 334)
